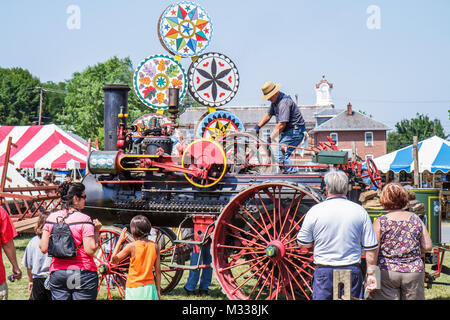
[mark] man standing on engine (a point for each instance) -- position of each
(290, 124)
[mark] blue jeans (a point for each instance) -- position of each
(323, 282)
(290, 139)
(73, 284)
(194, 275)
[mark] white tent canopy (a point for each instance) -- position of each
(16, 178)
(433, 156)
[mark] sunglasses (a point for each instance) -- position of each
(82, 196)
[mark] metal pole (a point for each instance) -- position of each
(353, 151)
(416, 162)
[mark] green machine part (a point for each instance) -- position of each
(102, 162)
(431, 216)
(331, 157)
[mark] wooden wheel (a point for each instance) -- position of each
(255, 252)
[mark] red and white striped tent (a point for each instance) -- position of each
(43, 147)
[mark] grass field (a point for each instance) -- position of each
(18, 290)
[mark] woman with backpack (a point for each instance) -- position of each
(73, 272)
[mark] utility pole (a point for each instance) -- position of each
(41, 98)
(40, 104)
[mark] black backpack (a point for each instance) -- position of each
(61, 243)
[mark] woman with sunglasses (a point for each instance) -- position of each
(73, 278)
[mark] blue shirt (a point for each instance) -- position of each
(340, 229)
(286, 110)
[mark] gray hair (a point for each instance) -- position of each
(336, 182)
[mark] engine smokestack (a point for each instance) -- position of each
(116, 96)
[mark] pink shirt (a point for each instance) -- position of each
(82, 261)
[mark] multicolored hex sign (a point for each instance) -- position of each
(218, 124)
(213, 79)
(185, 29)
(154, 76)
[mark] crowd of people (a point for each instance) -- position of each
(339, 232)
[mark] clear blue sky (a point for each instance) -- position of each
(291, 42)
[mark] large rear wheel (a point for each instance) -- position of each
(255, 252)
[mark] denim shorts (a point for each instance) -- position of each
(73, 284)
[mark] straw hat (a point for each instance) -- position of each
(269, 89)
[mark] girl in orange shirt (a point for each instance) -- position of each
(142, 283)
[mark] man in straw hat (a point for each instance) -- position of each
(290, 123)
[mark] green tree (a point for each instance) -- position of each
(19, 101)
(53, 102)
(420, 126)
(84, 100)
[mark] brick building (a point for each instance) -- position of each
(351, 129)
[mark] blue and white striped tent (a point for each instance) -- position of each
(434, 155)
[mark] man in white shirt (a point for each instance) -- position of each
(338, 230)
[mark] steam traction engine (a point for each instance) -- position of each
(222, 183)
(250, 218)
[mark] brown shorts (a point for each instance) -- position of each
(400, 286)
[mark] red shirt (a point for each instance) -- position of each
(7, 233)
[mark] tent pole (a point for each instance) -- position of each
(416, 162)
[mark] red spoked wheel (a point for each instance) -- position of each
(112, 277)
(255, 252)
(373, 173)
